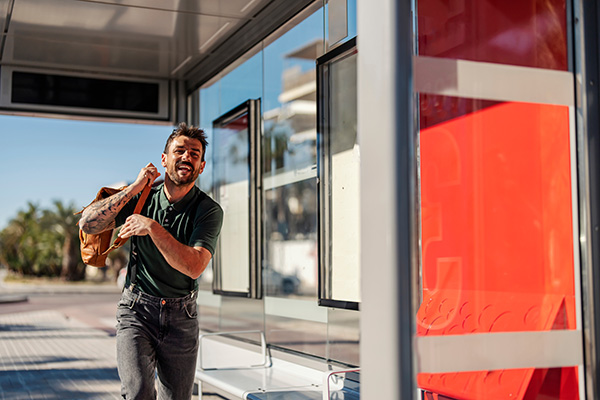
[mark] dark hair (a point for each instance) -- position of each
(189, 131)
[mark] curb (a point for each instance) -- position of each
(14, 298)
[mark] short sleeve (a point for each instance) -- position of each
(207, 227)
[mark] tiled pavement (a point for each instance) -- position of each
(45, 355)
(51, 355)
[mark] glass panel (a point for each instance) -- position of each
(243, 82)
(208, 112)
(237, 85)
(292, 317)
(529, 33)
(289, 157)
(337, 21)
(343, 336)
(345, 182)
(346, 22)
(232, 182)
(304, 336)
(497, 236)
(292, 251)
(498, 260)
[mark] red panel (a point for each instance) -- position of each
(496, 201)
(497, 239)
(531, 33)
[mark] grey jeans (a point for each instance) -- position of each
(155, 334)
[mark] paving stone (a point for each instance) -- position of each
(44, 355)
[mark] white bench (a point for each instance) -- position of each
(241, 370)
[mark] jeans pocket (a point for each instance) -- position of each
(191, 310)
(127, 301)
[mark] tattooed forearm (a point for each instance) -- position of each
(100, 216)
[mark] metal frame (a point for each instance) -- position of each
(253, 109)
(324, 175)
(586, 17)
(263, 350)
(389, 225)
(327, 378)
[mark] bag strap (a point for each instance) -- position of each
(193, 219)
(133, 262)
(119, 241)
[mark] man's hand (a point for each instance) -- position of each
(136, 225)
(147, 176)
(101, 214)
(191, 261)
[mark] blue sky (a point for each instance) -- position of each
(46, 159)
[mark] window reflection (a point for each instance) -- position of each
(289, 156)
(281, 73)
(290, 229)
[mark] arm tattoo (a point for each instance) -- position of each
(100, 215)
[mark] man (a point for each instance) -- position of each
(172, 241)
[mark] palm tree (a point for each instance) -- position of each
(43, 242)
(18, 241)
(63, 221)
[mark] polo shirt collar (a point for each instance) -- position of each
(181, 204)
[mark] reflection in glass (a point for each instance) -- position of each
(290, 224)
(289, 162)
(231, 177)
(290, 189)
(343, 335)
(282, 74)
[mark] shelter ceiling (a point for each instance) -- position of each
(141, 38)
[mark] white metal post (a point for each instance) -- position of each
(385, 126)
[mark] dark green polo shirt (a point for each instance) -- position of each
(195, 220)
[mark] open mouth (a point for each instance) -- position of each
(185, 168)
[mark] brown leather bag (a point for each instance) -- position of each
(95, 247)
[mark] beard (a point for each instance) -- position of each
(182, 180)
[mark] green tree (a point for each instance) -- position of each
(19, 241)
(63, 221)
(43, 243)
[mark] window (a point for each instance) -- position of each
(236, 174)
(339, 180)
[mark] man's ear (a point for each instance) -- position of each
(202, 165)
(163, 160)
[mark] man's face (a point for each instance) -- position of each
(182, 162)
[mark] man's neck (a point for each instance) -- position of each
(175, 193)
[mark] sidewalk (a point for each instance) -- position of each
(44, 355)
(51, 355)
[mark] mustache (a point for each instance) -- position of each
(178, 164)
